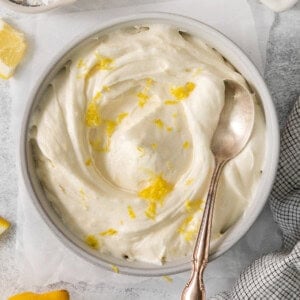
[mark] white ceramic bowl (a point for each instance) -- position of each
(232, 53)
(34, 9)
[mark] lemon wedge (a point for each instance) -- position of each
(53, 295)
(12, 49)
(4, 225)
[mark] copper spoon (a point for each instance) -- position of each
(230, 137)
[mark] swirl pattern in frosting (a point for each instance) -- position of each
(122, 143)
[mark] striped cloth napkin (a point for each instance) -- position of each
(277, 275)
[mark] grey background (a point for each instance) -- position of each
(282, 75)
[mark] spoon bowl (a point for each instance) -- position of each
(235, 123)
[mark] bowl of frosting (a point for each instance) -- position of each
(115, 147)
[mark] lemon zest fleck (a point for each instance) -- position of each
(157, 190)
(194, 205)
(167, 278)
(154, 146)
(185, 223)
(149, 82)
(121, 117)
(186, 145)
(141, 150)
(108, 232)
(92, 115)
(182, 92)
(189, 181)
(143, 99)
(82, 193)
(97, 96)
(105, 88)
(92, 241)
(150, 212)
(169, 128)
(81, 64)
(4, 225)
(189, 235)
(103, 63)
(171, 102)
(88, 162)
(115, 269)
(159, 123)
(131, 212)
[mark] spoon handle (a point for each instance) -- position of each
(194, 289)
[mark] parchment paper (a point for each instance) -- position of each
(42, 258)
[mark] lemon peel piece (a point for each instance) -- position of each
(131, 212)
(109, 232)
(182, 92)
(103, 63)
(53, 295)
(159, 123)
(92, 115)
(4, 225)
(88, 162)
(155, 193)
(186, 145)
(143, 98)
(167, 278)
(192, 206)
(157, 190)
(92, 241)
(115, 268)
(12, 49)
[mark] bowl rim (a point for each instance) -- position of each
(34, 9)
(267, 104)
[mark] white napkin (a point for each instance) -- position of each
(42, 258)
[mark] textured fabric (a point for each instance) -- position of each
(277, 275)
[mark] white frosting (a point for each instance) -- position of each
(137, 109)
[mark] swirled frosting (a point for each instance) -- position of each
(122, 143)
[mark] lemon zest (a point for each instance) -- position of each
(88, 162)
(182, 92)
(97, 96)
(92, 241)
(186, 145)
(150, 212)
(92, 115)
(189, 181)
(103, 63)
(154, 146)
(115, 268)
(131, 212)
(143, 99)
(4, 225)
(167, 278)
(157, 190)
(81, 64)
(109, 232)
(159, 123)
(192, 206)
(171, 102)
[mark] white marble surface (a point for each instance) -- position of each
(282, 76)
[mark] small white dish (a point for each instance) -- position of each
(34, 9)
(239, 60)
